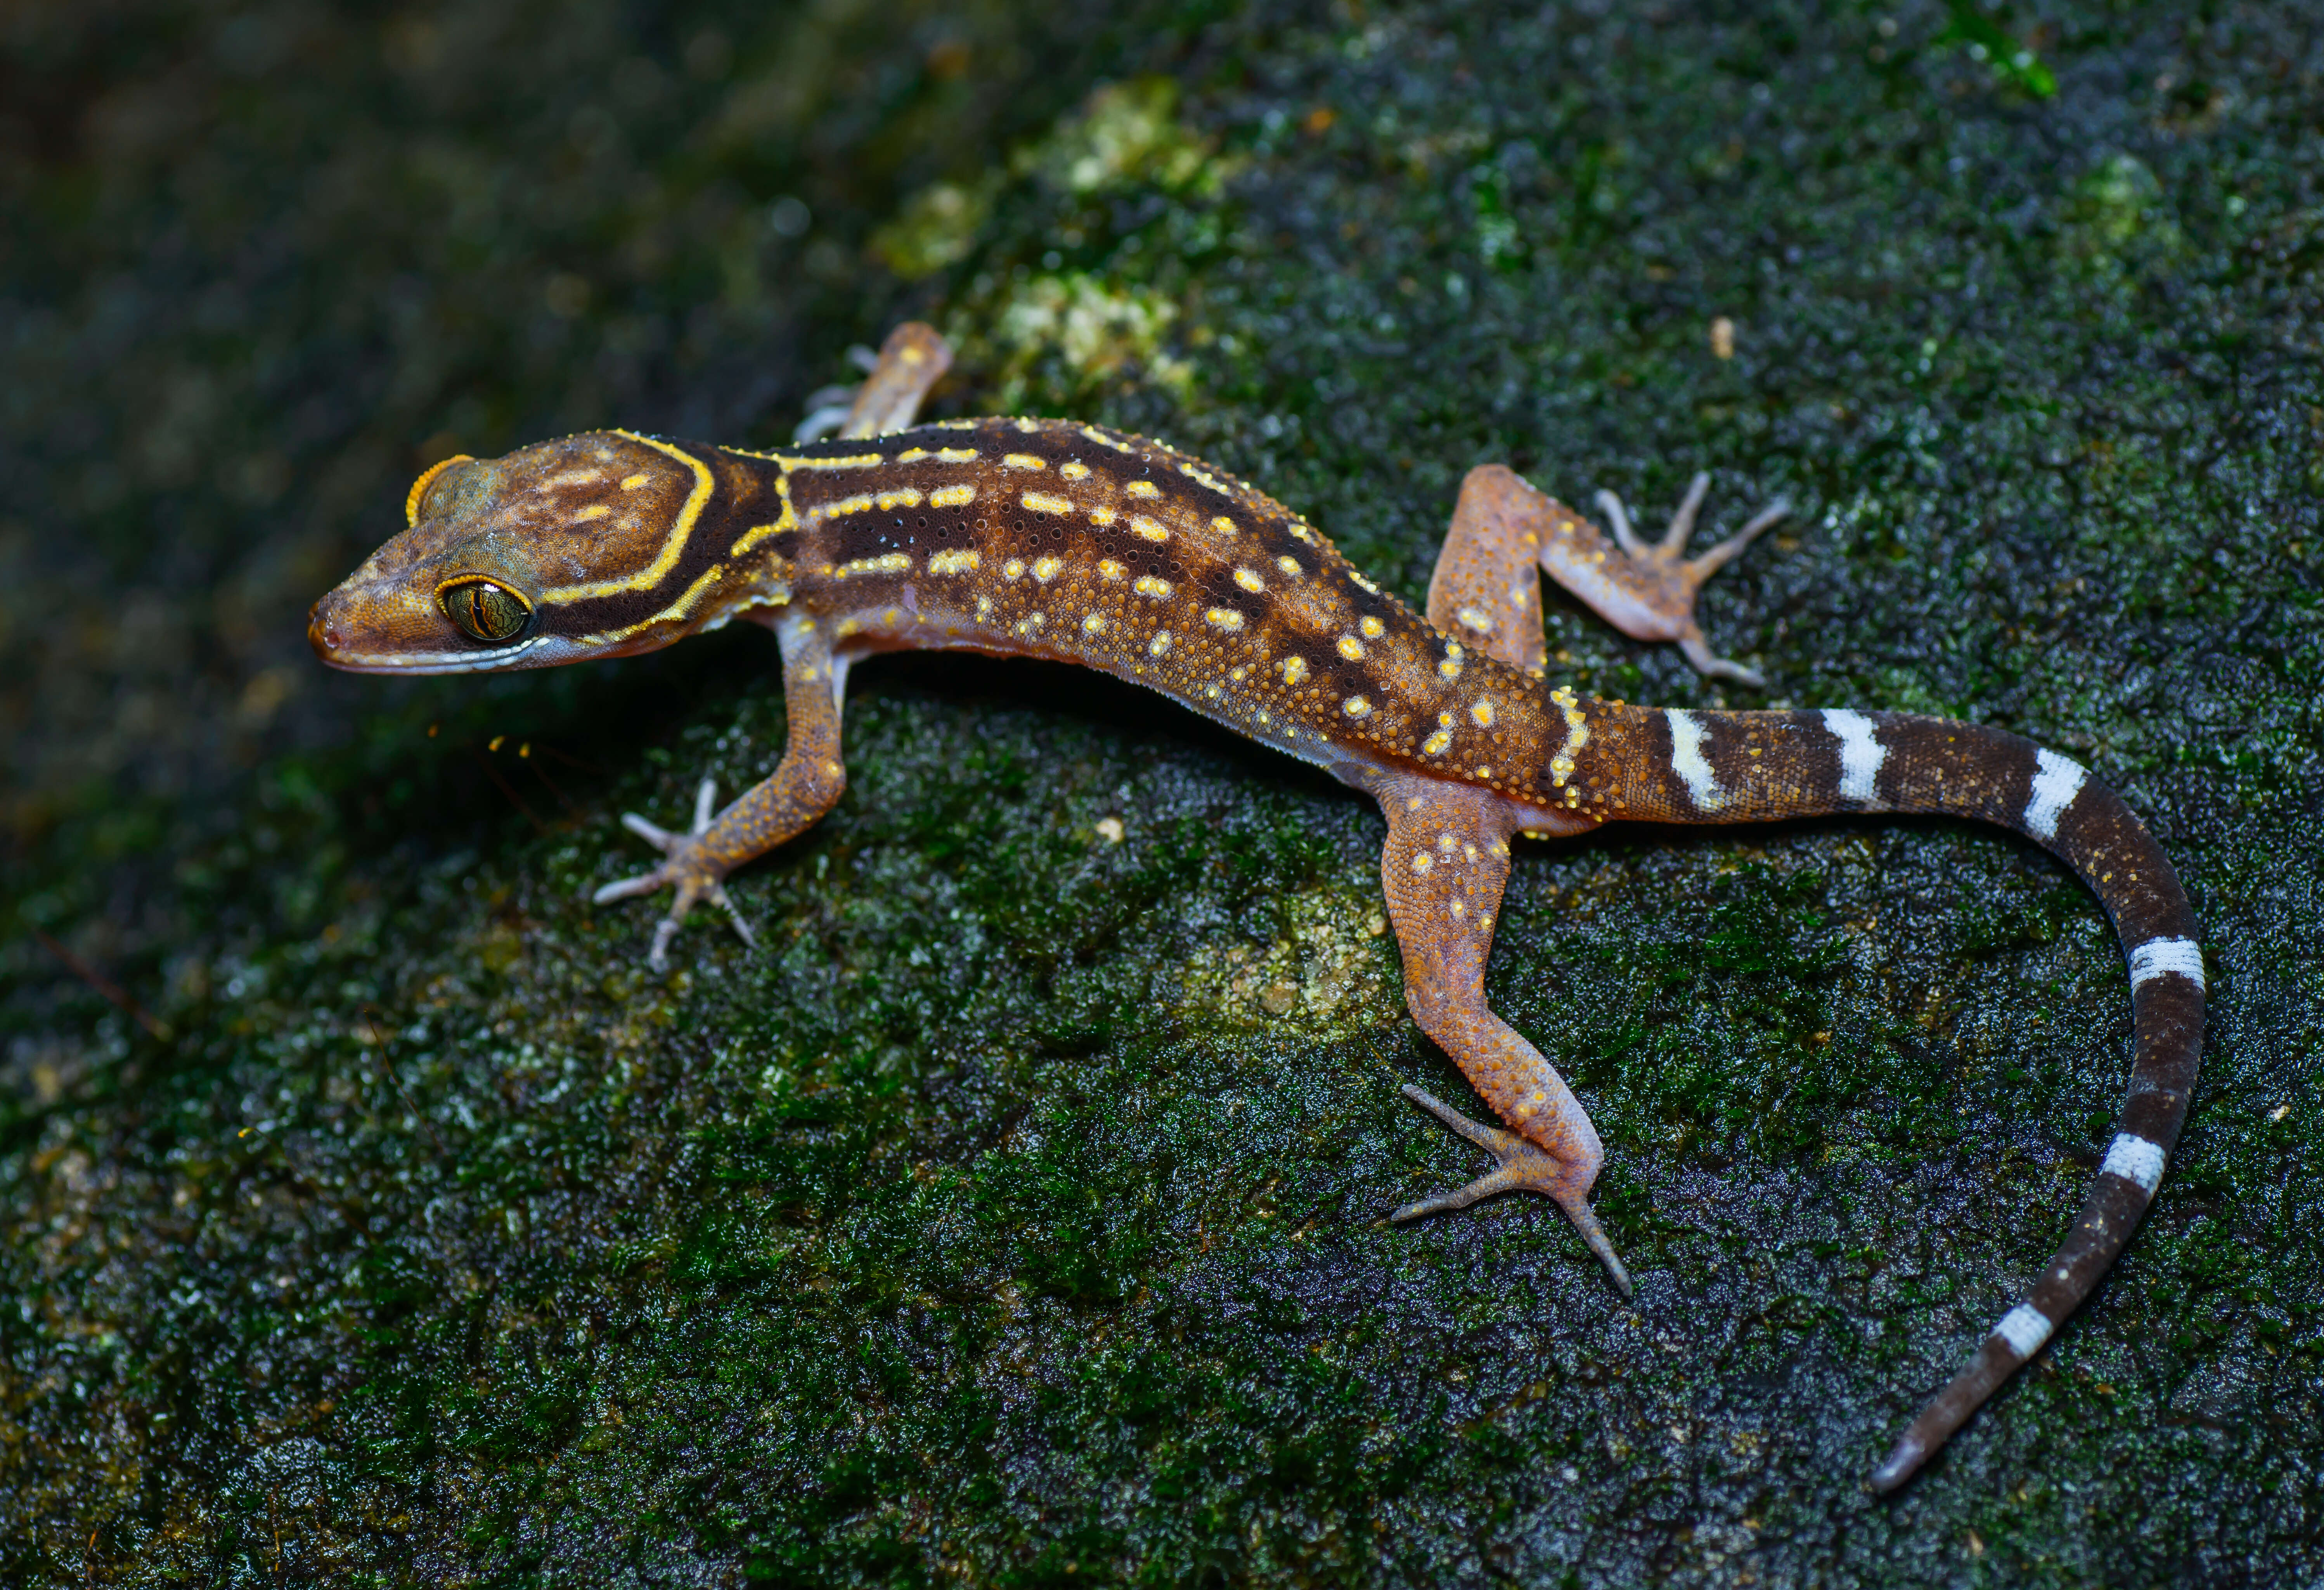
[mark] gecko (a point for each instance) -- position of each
(1053, 539)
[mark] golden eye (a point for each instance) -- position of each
(484, 610)
(428, 478)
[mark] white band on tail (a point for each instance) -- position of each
(2159, 958)
(1687, 763)
(2057, 780)
(2134, 1160)
(2025, 1328)
(1860, 755)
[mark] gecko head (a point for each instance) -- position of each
(558, 551)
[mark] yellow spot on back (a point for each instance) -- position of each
(1074, 470)
(1223, 525)
(905, 498)
(1143, 488)
(631, 483)
(1436, 744)
(1148, 586)
(1159, 643)
(1045, 570)
(1373, 628)
(1225, 618)
(1352, 648)
(1094, 623)
(1289, 565)
(1102, 516)
(886, 563)
(855, 504)
(1249, 582)
(957, 455)
(1145, 529)
(1103, 440)
(1294, 670)
(1483, 711)
(952, 497)
(1022, 461)
(954, 563)
(594, 511)
(1356, 707)
(1047, 503)
(1109, 569)
(911, 455)
(1013, 569)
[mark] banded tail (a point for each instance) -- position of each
(1740, 767)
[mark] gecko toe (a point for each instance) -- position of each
(1697, 650)
(653, 834)
(716, 894)
(657, 958)
(626, 888)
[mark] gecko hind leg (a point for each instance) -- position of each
(1647, 591)
(1519, 1166)
(1443, 868)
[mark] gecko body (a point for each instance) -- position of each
(1077, 543)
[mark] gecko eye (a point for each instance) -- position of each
(485, 610)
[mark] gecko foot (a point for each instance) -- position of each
(1673, 578)
(1521, 1166)
(695, 874)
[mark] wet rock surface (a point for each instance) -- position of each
(1015, 1215)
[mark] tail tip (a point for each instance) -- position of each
(1903, 1464)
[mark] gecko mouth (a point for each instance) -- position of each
(422, 661)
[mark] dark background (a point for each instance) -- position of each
(1015, 1215)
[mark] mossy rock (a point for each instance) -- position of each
(1015, 1213)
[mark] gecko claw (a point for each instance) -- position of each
(1521, 1166)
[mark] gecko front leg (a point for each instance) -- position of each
(806, 784)
(896, 382)
(1646, 592)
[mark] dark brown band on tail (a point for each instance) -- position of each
(1740, 767)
